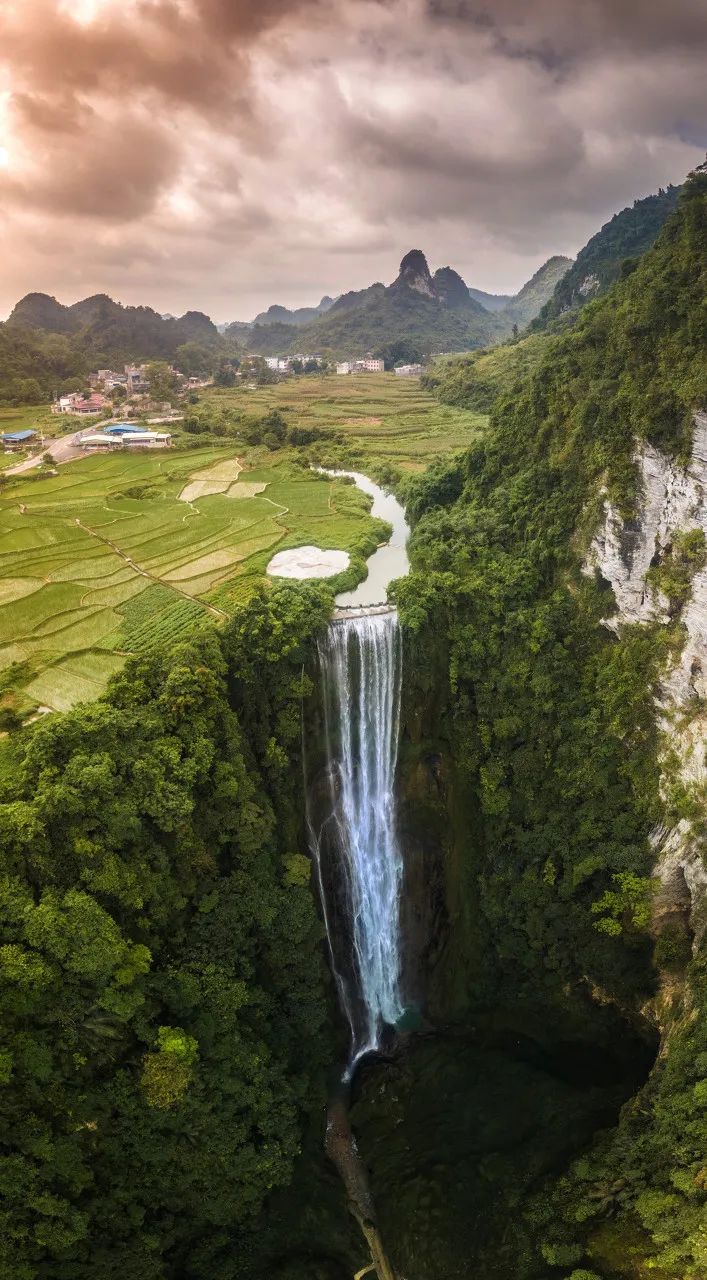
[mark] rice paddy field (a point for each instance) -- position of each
(118, 553)
(383, 417)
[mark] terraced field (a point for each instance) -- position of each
(383, 417)
(120, 553)
(106, 558)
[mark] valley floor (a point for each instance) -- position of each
(117, 554)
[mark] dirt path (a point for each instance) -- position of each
(217, 613)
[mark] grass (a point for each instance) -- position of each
(120, 553)
(104, 559)
(28, 417)
(382, 418)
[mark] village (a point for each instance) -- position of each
(133, 407)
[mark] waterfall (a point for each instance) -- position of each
(356, 847)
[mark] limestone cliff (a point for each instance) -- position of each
(673, 500)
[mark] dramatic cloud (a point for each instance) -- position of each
(226, 153)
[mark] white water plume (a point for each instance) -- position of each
(361, 663)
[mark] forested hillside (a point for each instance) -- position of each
(474, 380)
(627, 235)
(551, 726)
(44, 344)
(164, 1006)
(167, 1018)
(418, 313)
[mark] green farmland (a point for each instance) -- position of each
(119, 553)
(105, 559)
(383, 418)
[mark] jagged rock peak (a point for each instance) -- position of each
(450, 288)
(415, 274)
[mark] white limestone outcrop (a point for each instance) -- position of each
(673, 499)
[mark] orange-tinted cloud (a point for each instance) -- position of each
(230, 153)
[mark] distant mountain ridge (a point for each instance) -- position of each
(416, 315)
(299, 316)
(491, 301)
(419, 314)
(109, 326)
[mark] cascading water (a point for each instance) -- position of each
(356, 847)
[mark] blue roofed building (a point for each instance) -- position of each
(121, 428)
(15, 439)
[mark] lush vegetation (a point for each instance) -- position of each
(427, 313)
(536, 292)
(387, 425)
(46, 347)
(550, 725)
(120, 554)
(474, 380)
(627, 236)
(164, 1013)
(165, 1022)
(117, 554)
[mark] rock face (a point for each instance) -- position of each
(674, 499)
(415, 274)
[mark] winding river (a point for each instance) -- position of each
(388, 561)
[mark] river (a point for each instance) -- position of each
(390, 560)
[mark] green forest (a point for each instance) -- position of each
(170, 1032)
(165, 1005)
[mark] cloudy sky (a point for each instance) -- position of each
(226, 154)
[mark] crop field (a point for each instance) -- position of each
(122, 553)
(383, 417)
(118, 554)
(29, 417)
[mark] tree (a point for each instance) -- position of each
(225, 375)
(193, 359)
(161, 380)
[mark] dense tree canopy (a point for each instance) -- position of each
(551, 725)
(164, 1015)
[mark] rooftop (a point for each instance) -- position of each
(16, 437)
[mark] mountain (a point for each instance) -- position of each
(491, 301)
(107, 329)
(419, 313)
(522, 307)
(531, 299)
(44, 344)
(40, 311)
(300, 316)
(627, 235)
(561, 566)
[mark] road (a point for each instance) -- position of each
(65, 449)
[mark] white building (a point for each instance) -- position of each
(98, 441)
(408, 370)
(146, 439)
(343, 367)
(77, 403)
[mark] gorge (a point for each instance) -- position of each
(172, 1037)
